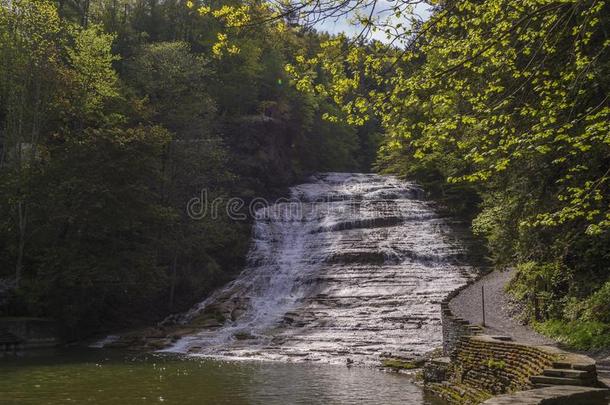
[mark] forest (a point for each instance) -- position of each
(113, 116)
(114, 113)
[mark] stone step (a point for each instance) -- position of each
(542, 379)
(568, 373)
(543, 385)
(554, 395)
(562, 364)
(576, 365)
(502, 338)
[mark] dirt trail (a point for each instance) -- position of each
(467, 305)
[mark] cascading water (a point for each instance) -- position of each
(356, 269)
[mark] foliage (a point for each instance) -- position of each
(597, 306)
(94, 79)
(89, 247)
(496, 364)
(174, 81)
(580, 335)
(495, 89)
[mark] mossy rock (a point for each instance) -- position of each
(398, 364)
(208, 319)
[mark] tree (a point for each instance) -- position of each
(98, 218)
(175, 81)
(29, 72)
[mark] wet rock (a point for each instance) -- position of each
(157, 344)
(237, 313)
(436, 370)
(243, 336)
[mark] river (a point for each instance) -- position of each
(115, 378)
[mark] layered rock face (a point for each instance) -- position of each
(351, 268)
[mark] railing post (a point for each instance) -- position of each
(483, 303)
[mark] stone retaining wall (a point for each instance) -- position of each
(483, 366)
(455, 328)
(498, 366)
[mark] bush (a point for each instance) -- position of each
(541, 285)
(580, 335)
(598, 305)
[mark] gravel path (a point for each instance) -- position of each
(467, 305)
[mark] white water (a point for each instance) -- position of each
(355, 271)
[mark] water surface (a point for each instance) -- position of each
(106, 377)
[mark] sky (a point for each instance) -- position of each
(343, 26)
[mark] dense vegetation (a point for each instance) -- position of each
(501, 107)
(113, 115)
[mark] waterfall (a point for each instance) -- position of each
(353, 266)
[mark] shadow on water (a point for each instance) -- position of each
(111, 377)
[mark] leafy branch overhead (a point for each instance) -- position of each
(506, 87)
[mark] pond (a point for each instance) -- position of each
(110, 377)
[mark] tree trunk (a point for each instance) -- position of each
(172, 289)
(22, 216)
(85, 15)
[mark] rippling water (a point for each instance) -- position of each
(100, 377)
(353, 268)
